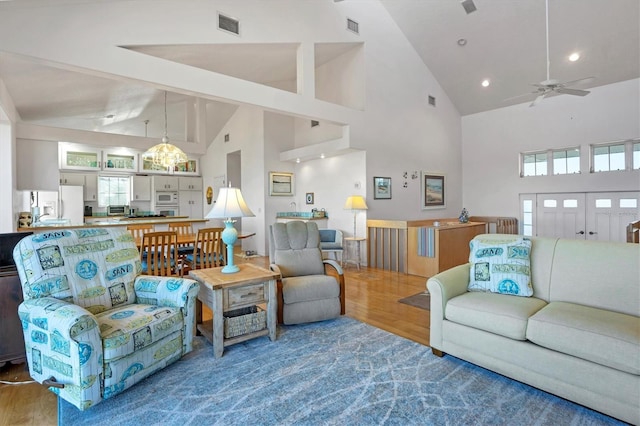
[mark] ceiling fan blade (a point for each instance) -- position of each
(537, 100)
(520, 96)
(579, 81)
(575, 92)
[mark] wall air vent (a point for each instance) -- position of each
(353, 26)
(226, 23)
(432, 100)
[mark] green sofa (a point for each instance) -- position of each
(577, 337)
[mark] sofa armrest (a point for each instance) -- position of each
(443, 287)
(334, 265)
(174, 292)
(62, 341)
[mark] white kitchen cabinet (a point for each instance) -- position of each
(191, 204)
(165, 183)
(91, 187)
(79, 157)
(72, 179)
(140, 188)
(190, 183)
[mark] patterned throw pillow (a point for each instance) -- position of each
(501, 265)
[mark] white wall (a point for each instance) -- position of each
(332, 180)
(397, 128)
(246, 134)
(493, 141)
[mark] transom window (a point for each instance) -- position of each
(566, 161)
(534, 164)
(608, 157)
(113, 191)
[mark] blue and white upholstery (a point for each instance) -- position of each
(90, 320)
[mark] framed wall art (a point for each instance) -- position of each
(381, 188)
(433, 191)
(309, 198)
(280, 183)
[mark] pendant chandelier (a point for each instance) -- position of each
(165, 154)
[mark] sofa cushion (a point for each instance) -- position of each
(501, 265)
(495, 313)
(604, 337)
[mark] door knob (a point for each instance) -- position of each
(580, 233)
(592, 233)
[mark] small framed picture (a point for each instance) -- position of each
(309, 197)
(433, 194)
(280, 183)
(381, 188)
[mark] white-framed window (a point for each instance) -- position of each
(527, 213)
(636, 155)
(113, 190)
(608, 157)
(534, 164)
(566, 161)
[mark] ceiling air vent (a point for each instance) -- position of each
(228, 24)
(353, 26)
(432, 100)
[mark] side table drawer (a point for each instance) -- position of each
(241, 296)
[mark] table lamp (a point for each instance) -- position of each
(355, 203)
(229, 204)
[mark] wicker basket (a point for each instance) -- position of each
(244, 320)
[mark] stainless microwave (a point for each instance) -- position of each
(167, 198)
(118, 210)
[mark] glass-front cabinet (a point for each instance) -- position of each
(190, 168)
(120, 159)
(82, 157)
(77, 157)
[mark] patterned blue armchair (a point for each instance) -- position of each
(91, 322)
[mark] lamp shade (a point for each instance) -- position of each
(355, 202)
(229, 204)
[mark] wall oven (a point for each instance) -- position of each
(167, 198)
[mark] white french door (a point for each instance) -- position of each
(608, 214)
(600, 216)
(560, 215)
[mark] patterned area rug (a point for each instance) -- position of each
(420, 300)
(338, 372)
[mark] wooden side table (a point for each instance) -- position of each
(223, 292)
(353, 250)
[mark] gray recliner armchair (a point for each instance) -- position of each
(305, 292)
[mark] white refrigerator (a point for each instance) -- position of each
(65, 206)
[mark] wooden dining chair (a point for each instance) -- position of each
(183, 228)
(159, 254)
(208, 250)
(138, 231)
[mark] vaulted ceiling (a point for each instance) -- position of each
(505, 44)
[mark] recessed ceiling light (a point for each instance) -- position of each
(462, 42)
(574, 56)
(486, 82)
(322, 156)
(297, 160)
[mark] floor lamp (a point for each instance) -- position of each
(355, 203)
(229, 204)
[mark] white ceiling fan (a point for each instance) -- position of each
(550, 85)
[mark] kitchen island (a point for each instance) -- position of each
(160, 223)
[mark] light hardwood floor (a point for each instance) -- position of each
(371, 296)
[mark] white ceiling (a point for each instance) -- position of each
(505, 43)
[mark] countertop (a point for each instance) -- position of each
(115, 222)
